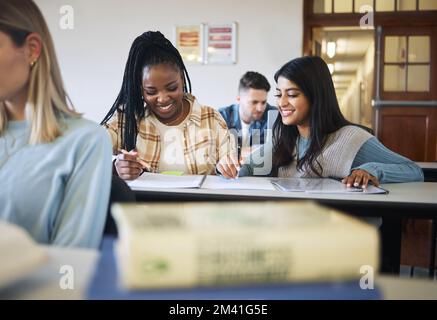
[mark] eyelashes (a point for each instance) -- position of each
(289, 95)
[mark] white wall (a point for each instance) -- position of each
(93, 54)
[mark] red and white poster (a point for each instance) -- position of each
(221, 44)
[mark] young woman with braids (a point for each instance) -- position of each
(311, 138)
(156, 124)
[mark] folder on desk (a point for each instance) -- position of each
(316, 185)
(104, 286)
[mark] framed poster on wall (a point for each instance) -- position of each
(189, 42)
(221, 43)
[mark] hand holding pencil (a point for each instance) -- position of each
(229, 167)
(128, 165)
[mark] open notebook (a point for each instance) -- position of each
(149, 181)
(164, 181)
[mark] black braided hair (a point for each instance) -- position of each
(149, 49)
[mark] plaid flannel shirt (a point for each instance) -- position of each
(205, 136)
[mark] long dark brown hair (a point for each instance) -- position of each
(312, 76)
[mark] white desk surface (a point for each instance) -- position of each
(422, 193)
(427, 165)
(44, 284)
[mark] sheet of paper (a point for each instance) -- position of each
(243, 183)
(164, 181)
(321, 186)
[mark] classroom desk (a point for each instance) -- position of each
(429, 170)
(424, 196)
(44, 283)
(417, 200)
(427, 165)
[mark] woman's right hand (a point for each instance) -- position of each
(229, 167)
(128, 165)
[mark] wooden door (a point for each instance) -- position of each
(406, 90)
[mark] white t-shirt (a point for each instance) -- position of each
(172, 142)
(245, 134)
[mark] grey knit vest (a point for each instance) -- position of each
(337, 155)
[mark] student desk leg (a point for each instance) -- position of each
(433, 247)
(391, 245)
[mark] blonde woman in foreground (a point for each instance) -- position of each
(55, 166)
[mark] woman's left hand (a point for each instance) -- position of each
(360, 178)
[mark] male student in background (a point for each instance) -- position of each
(248, 118)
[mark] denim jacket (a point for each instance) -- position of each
(256, 130)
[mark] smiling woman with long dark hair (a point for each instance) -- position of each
(156, 124)
(311, 137)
